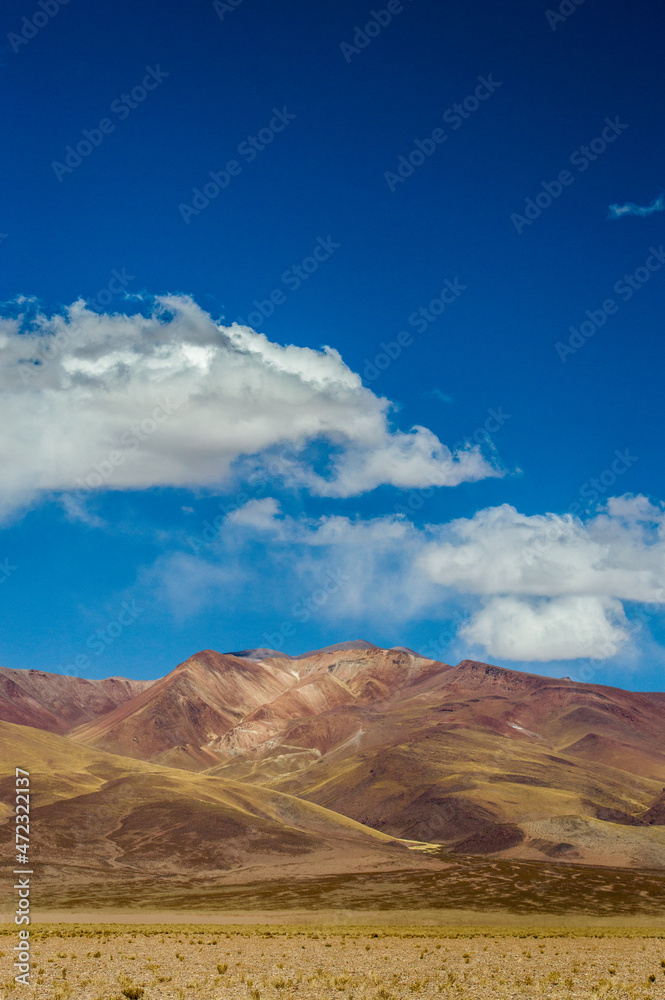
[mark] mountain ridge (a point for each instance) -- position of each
(474, 757)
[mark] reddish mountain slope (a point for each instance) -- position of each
(482, 759)
(55, 702)
(177, 716)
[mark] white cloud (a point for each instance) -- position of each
(630, 208)
(291, 557)
(500, 551)
(76, 510)
(563, 628)
(533, 588)
(551, 586)
(173, 399)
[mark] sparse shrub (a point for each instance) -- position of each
(133, 992)
(222, 967)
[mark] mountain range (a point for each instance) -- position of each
(254, 764)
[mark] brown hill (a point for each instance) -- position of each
(176, 718)
(655, 814)
(112, 822)
(56, 702)
(475, 757)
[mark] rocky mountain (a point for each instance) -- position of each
(175, 719)
(473, 757)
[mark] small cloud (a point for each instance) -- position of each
(437, 394)
(76, 510)
(630, 208)
(261, 515)
(187, 510)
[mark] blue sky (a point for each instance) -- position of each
(407, 212)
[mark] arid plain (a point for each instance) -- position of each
(350, 963)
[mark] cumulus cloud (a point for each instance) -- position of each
(565, 628)
(500, 551)
(551, 586)
(532, 588)
(630, 208)
(94, 401)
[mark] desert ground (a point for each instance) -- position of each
(370, 962)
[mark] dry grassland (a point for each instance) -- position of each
(170, 962)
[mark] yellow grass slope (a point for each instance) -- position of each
(96, 814)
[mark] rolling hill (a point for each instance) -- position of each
(102, 823)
